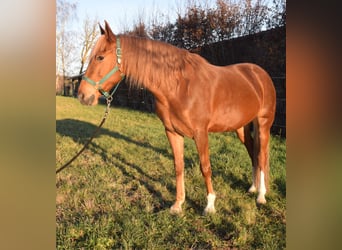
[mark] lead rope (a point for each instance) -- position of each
(109, 100)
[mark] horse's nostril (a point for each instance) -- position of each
(80, 96)
(82, 99)
(91, 99)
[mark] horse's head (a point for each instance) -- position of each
(104, 69)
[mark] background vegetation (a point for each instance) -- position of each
(197, 23)
(117, 194)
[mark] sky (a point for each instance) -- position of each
(121, 13)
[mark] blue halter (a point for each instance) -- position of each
(98, 84)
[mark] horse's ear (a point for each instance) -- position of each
(109, 33)
(101, 29)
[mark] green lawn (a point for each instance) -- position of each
(117, 194)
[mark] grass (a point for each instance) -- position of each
(117, 194)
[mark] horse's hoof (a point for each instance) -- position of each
(252, 189)
(261, 199)
(175, 210)
(209, 210)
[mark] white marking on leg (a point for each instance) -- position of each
(210, 209)
(262, 189)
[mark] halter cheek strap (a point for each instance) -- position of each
(98, 84)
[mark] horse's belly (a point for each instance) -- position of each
(222, 127)
(230, 121)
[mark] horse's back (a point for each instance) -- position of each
(254, 73)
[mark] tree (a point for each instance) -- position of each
(201, 24)
(193, 29)
(64, 12)
(226, 18)
(139, 27)
(88, 39)
(161, 28)
(253, 17)
(278, 14)
(163, 32)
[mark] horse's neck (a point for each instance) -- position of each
(142, 73)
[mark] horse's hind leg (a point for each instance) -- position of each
(202, 145)
(245, 136)
(262, 127)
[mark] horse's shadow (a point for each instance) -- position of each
(81, 131)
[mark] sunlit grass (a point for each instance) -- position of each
(117, 194)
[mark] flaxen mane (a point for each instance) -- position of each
(155, 63)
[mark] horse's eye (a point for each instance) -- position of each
(99, 58)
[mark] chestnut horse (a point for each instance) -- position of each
(193, 98)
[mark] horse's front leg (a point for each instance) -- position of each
(177, 145)
(202, 144)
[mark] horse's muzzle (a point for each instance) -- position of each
(86, 100)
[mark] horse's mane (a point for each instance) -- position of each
(154, 63)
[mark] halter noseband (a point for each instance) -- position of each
(98, 84)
